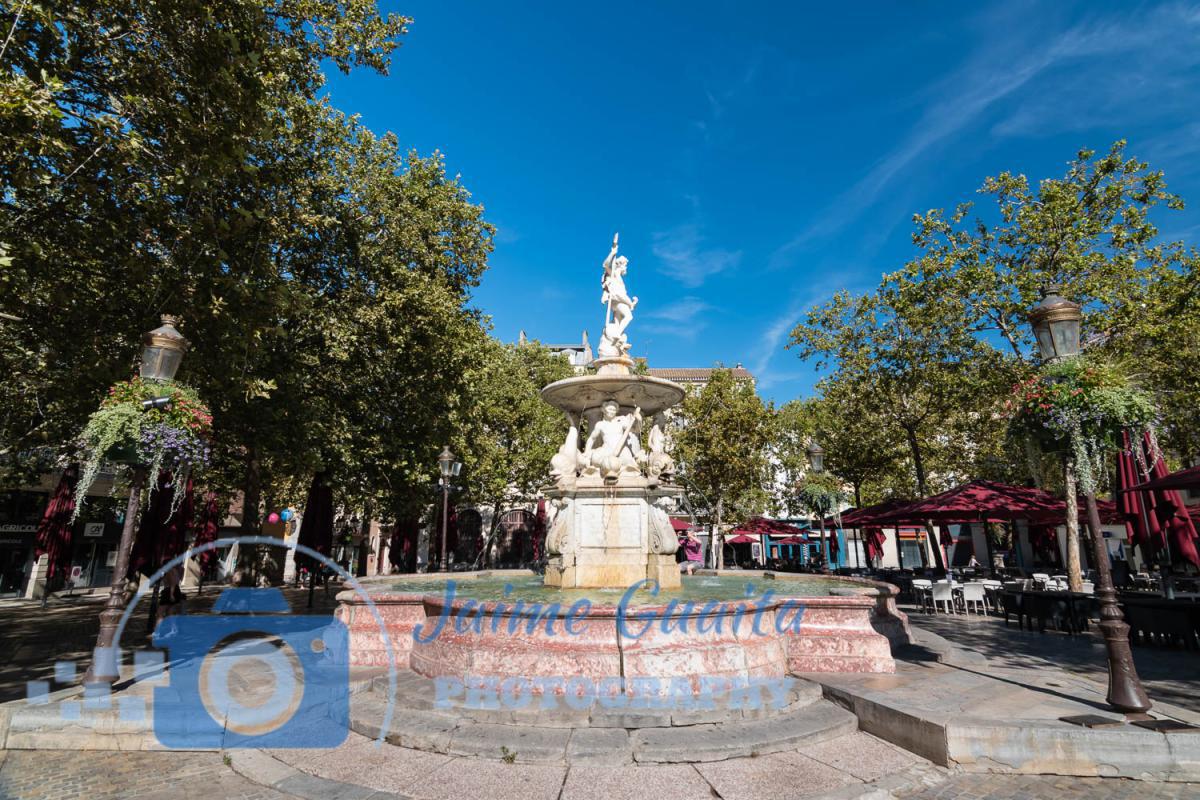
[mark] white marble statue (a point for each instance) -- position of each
(613, 446)
(619, 313)
(564, 465)
(662, 535)
(558, 526)
(659, 465)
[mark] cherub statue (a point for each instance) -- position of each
(564, 465)
(659, 465)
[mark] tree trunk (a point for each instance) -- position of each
(364, 546)
(251, 523)
(923, 489)
(718, 545)
(487, 543)
(1074, 572)
(857, 496)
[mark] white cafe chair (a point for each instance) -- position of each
(942, 593)
(972, 593)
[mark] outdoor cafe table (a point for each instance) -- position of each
(1073, 608)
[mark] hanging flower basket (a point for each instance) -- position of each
(1080, 407)
(822, 494)
(121, 431)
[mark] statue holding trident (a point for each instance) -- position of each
(619, 311)
(610, 449)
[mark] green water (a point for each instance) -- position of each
(695, 587)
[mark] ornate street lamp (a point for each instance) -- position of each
(816, 456)
(449, 469)
(816, 460)
(162, 350)
(1056, 322)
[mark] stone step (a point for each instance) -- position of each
(818, 722)
(456, 735)
(417, 692)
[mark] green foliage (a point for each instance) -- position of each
(173, 437)
(722, 447)
(821, 493)
(1083, 407)
(927, 360)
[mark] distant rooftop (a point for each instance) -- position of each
(698, 374)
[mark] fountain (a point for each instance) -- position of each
(636, 663)
(611, 502)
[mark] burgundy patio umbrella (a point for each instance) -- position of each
(1132, 505)
(1166, 514)
(54, 531)
(741, 539)
(1044, 540)
(680, 525)
(316, 528)
(874, 542)
(403, 552)
(861, 517)
(757, 526)
(162, 534)
(792, 540)
(207, 525)
(989, 501)
(1183, 479)
(539, 530)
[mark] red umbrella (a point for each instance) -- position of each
(539, 530)
(161, 533)
(54, 531)
(989, 501)
(874, 541)
(757, 526)
(1044, 539)
(680, 525)
(1131, 505)
(403, 552)
(741, 539)
(1166, 513)
(861, 517)
(1183, 479)
(316, 526)
(207, 526)
(793, 540)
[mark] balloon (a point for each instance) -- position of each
(273, 518)
(286, 514)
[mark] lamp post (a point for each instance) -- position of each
(449, 469)
(162, 351)
(1056, 323)
(816, 460)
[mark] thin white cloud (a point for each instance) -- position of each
(992, 75)
(684, 257)
(685, 309)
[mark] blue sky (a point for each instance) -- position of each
(757, 157)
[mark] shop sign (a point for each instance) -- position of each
(10, 527)
(93, 530)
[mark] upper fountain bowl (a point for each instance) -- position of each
(584, 392)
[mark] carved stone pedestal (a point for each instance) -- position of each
(612, 536)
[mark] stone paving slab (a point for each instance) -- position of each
(814, 723)
(965, 712)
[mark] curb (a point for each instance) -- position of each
(266, 770)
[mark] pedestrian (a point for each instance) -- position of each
(693, 553)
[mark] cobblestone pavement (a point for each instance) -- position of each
(64, 775)
(1171, 675)
(32, 638)
(1050, 787)
(43, 775)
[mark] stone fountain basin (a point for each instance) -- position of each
(584, 392)
(850, 629)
